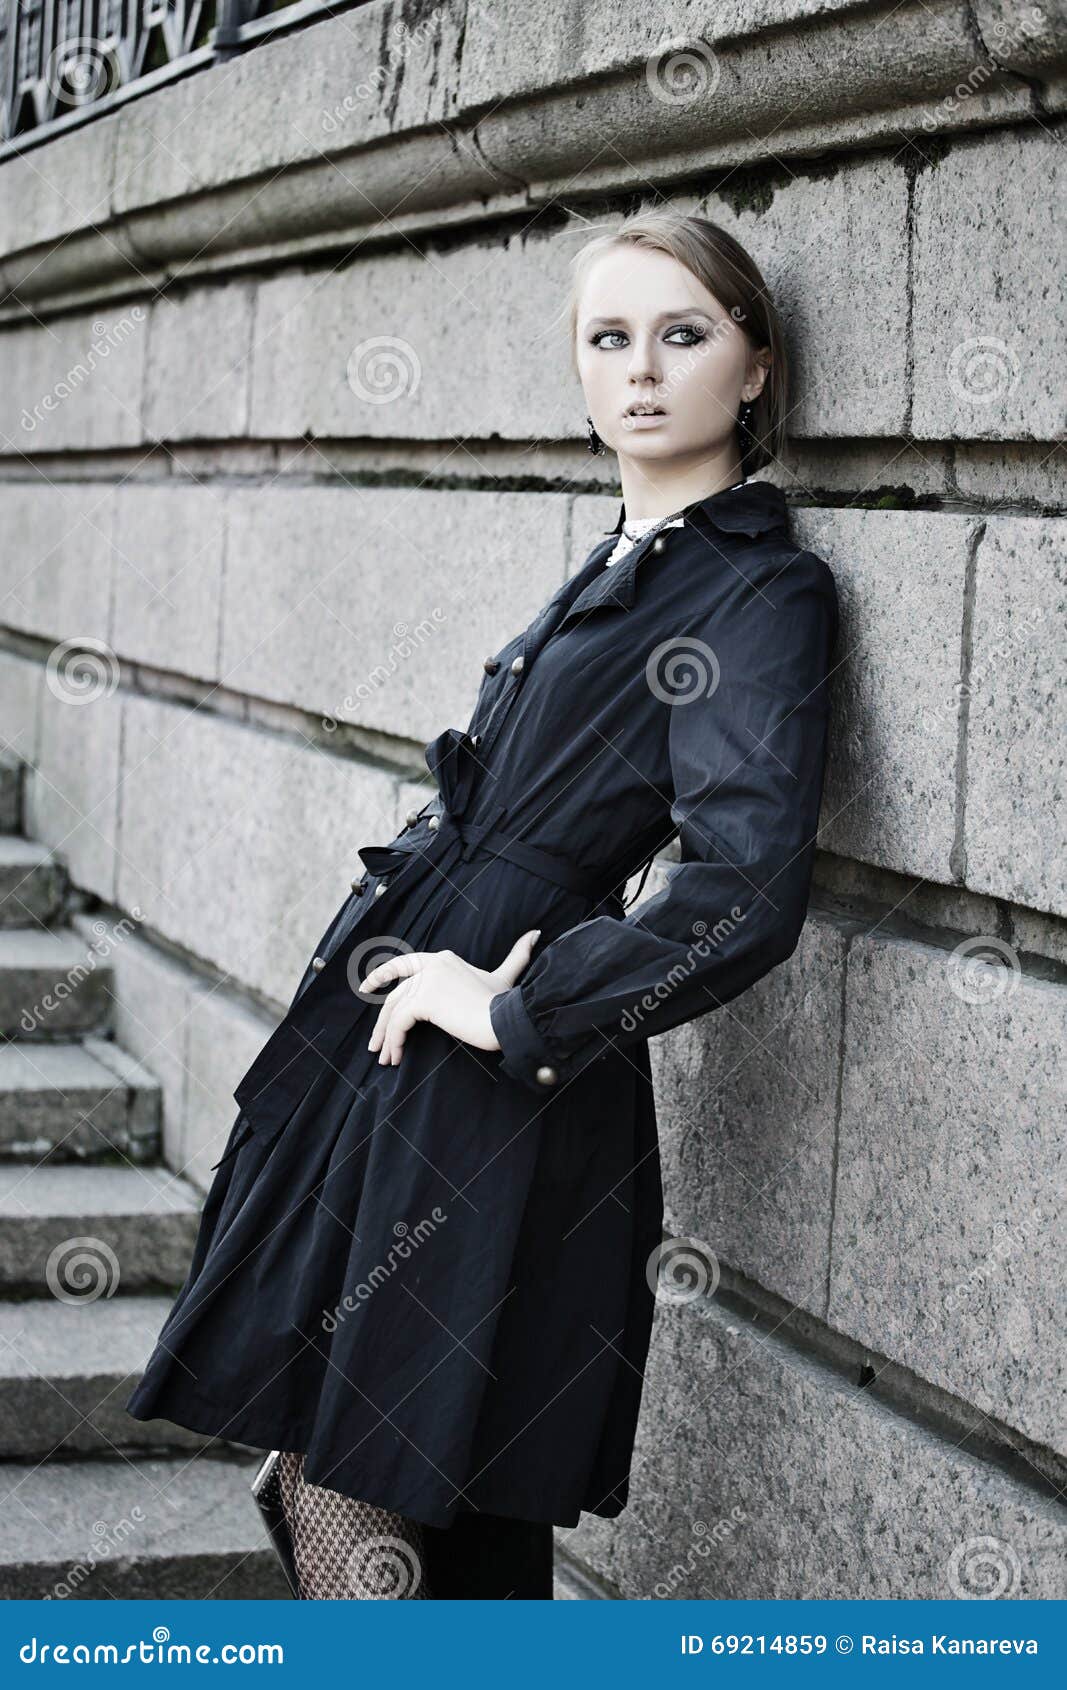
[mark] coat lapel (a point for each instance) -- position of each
(753, 508)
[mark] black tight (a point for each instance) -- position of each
(349, 1550)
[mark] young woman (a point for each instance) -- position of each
(426, 1267)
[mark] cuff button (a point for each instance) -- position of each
(547, 1076)
(318, 962)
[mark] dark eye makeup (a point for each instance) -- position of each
(693, 329)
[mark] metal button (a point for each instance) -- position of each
(547, 1076)
(412, 817)
(658, 543)
(360, 885)
(475, 738)
(318, 962)
(491, 665)
(379, 889)
(517, 665)
(434, 823)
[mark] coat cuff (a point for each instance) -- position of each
(524, 1054)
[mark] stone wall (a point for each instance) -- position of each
(201, 472)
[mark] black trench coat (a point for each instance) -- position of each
(434, 1279)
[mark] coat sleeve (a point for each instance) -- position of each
(746, 759)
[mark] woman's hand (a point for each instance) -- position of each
(439, 986)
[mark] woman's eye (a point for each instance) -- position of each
(691, 331)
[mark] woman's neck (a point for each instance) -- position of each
(645, 496)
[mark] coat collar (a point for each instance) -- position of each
(756, 507)
(753, 508)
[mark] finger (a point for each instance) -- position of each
(381, 1024)
(396, 1032)
(394, 968)
(518, 956)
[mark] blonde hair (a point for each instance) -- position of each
(723, 266)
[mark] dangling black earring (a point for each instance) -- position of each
(596, 445)
(744, 414)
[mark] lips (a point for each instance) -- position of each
(645, 411)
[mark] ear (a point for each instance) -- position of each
(759, 368)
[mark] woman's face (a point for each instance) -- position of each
(650, 332)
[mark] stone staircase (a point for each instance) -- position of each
(95, 1237)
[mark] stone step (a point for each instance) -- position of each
(81, 1232)
(66, 1102)
(51, 986)
(10, 792)
(66, 1371)
(32, 882)
(150, 1529)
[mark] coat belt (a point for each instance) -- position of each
(486, 838)
(326, 1011)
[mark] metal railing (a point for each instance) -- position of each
(65, 62)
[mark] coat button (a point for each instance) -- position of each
(547, 1075)
(360, 885)
(380, 888)
(318, 962)
(475, 738)
(517, 665)
(658, 543)
(491, 665)
(411, 818)
(434, 823)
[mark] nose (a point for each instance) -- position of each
(644, 358)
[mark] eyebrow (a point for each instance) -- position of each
(681, 311)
